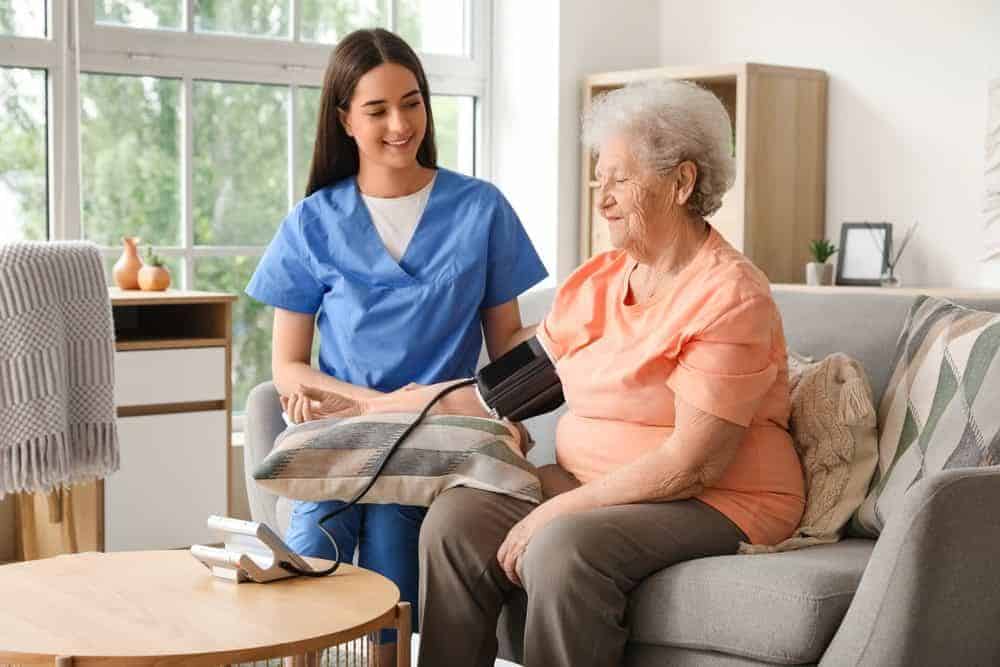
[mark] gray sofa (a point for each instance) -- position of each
(926, 593)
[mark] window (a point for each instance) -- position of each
(433, 26)
(192, 125)
(141, 13)
(130, 176)
(23, 18)
(23, 182)
(328, 20)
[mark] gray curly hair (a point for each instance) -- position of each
(670, 121)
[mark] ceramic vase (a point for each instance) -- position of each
(154, 278)
(819, 273)
(126, 269)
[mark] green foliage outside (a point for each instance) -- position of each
(23, 181)
(131, 157)
(24, 18)
(141, 13)
(130, 166)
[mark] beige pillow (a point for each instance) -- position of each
(834, 429)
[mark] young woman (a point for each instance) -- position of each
(400, 266)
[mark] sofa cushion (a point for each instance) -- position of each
(833, 428)
(939, 408)
(782, 608)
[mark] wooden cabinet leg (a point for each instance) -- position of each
(70, 540)
(54, 498)
(404, 632)
(27, 531)
(64, 661)
(311, 659)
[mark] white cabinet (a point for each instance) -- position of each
(172, 477)
(156, 377)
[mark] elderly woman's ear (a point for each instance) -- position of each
(687, 175)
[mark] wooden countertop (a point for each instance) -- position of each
(120, 297)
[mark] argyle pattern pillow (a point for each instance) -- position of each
(334, 459)
(940, 408)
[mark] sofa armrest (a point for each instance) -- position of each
(263, 425)
(929, 595)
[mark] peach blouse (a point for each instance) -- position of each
(715, 339)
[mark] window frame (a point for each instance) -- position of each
(76, 44)
(50, 54)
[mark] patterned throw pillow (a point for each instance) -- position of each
(833, 428)
(334, 459)
(940, 408)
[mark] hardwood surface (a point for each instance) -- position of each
(168, 344)
(164, 607)
(133, 297)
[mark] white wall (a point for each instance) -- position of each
(541, 52)
(907, 108)
(594, 36)
(525, 116)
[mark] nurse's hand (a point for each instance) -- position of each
(296, 408)
(315, 403)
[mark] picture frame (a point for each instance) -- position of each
(864, 253)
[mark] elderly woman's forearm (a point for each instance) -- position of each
(459, 402)
(652, 478)
(692, 459)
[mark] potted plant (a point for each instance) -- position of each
(153, 276)
(818, 272)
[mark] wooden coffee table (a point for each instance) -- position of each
(164, 607)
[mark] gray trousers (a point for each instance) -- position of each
(578, 572)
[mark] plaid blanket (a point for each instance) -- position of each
(334, 459)
(57, 412)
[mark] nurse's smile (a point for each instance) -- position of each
(398, 143)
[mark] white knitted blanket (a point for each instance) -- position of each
(57, 412)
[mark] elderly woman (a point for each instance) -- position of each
(675, 445)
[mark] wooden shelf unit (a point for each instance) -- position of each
(777, 204)
(173, 392)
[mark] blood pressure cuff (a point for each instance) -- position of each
(520, 384)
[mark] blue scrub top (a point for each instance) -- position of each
(384, 324)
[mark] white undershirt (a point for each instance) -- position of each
(396, 219)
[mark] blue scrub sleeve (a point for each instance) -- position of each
(513, 265)
(283, 278)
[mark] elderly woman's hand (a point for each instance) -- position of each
(511, 552)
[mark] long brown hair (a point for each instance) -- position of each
(335, 154)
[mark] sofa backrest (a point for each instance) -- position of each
(861, 323)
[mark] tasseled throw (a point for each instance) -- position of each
(57, 413)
